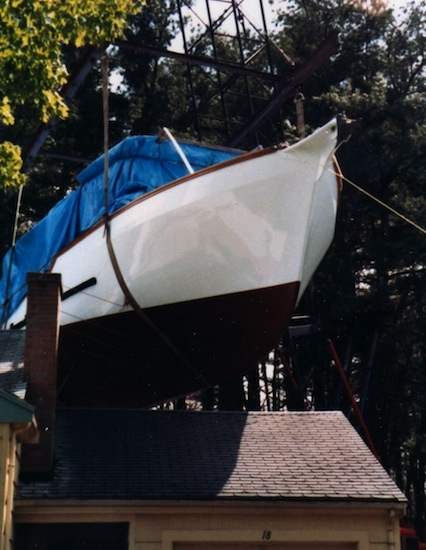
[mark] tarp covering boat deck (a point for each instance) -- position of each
(136, 166)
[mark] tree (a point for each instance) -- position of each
(76, 140)
(152, 83)
(32, 36)
(369, 294)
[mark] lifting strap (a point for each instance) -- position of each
(113, 258)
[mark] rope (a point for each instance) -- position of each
(105, 108)
(131, 300)
(178, 149)
(6, 305)
(383, 204)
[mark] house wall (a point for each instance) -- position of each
(4, 460)
(9, 460)
(254, 526)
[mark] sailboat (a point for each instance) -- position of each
(186, 271)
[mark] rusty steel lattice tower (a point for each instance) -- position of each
(244, 71)
(239, 79)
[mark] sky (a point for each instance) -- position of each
(251, 11)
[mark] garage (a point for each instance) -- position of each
(182, 480)
(264, 546)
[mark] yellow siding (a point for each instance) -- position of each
(4, 454)
(7, 480)
(243, 527)
(266, 546)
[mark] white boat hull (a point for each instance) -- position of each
(215, 249)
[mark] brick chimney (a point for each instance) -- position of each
(40, 365)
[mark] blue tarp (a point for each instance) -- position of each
(136, 166)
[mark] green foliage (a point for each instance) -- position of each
(10, 165)
(32, 35)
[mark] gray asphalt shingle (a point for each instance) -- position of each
(131, 454)
(12, 345)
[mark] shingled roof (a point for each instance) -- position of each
(157, 455)
(12, 345)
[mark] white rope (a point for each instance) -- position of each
(384, 205)
(179, 150)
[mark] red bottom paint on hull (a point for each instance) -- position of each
(122, 361)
